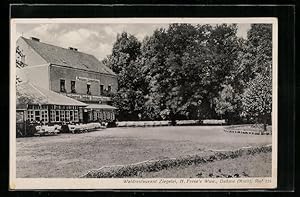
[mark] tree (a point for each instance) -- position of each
(190, 72)
(169, 57)
(125, 62)
(226, 101)
(125, 49)
(257, 98)
(20, 58)
(186, 67)
(260, 48)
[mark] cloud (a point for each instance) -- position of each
(102, 50)
(95, 39)
(77, 38)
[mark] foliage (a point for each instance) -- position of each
(257, 98)
(125, 63)
(225, 101)
(190, 71)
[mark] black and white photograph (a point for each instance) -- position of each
(143, 103)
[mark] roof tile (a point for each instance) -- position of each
(28, 93)
(66, 57)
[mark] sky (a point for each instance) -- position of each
(95, 39)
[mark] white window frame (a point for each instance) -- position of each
(113, 115)
(52, 115)
(67, 115)
(76, 116)
(30, 115)
(71, 115)
(39, 116)
(44, 115)
(62, 115)
(57, 117)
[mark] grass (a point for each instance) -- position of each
(72, 155)
(259, 165)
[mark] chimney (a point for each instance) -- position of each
(35, 39)
(73, 49)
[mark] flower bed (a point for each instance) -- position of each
(81, 128)
(47, 130)
(121, 171)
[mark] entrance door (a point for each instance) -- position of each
(85, 116)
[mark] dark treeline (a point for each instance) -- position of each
(194, 72)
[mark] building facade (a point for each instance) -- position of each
(71, 73)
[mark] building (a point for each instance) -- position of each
(38, 106)
(70, 73)
(42, 105)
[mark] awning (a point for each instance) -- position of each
(27, 93)
(100, 106)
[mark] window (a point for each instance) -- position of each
(73, 87)
(95, 115)
(57, 116)
(37, 115)
(113, 116)
(62, 86)
(71, 115)
(76, 119)
(36, 107)
(101, 115)
(104, 115)
(44, 114)
(52, 116)
(88, 87)
(109, 88)
(101, 89)
(67, 113)
(62, 115)
(30, 115)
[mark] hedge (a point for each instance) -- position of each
(120, 171)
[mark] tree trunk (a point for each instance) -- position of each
(265, 123)
(173, 118)
(265, 126)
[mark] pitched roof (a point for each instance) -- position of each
(28, 93)
(66, 57)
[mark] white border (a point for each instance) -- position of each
(77, 183)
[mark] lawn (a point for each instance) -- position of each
(72, 155)
(259, 165)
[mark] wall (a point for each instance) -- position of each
(71, 74)
(38, 75)
(32, 58)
